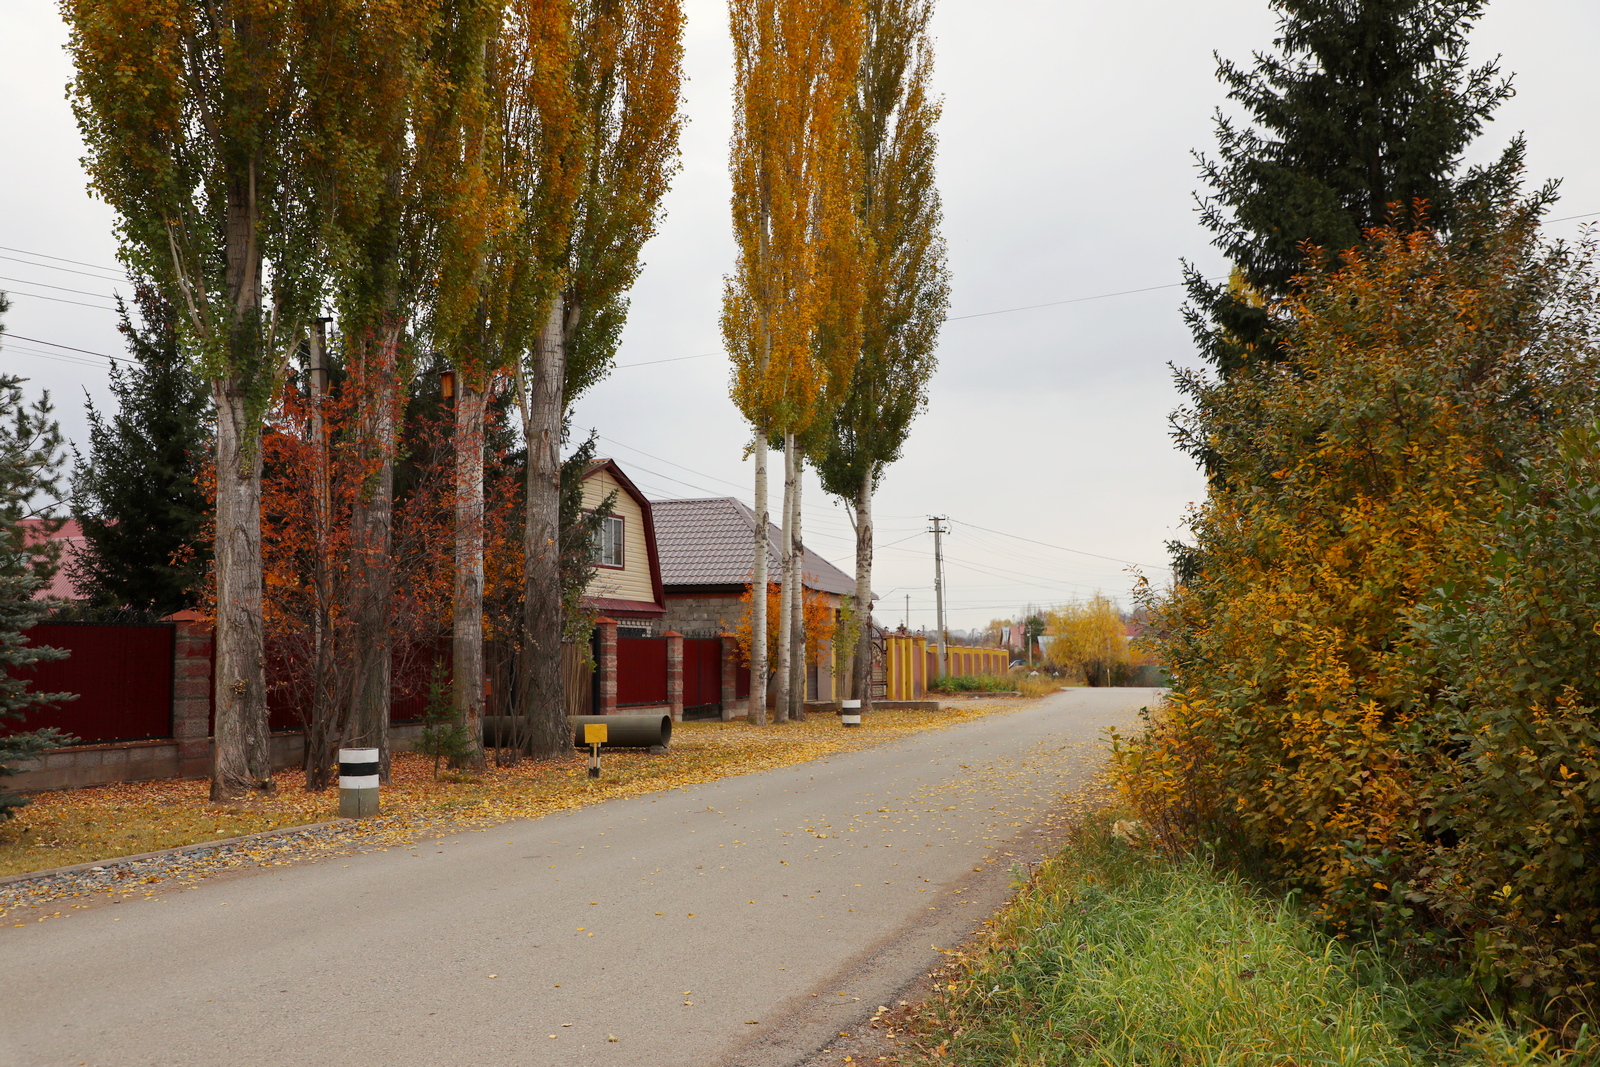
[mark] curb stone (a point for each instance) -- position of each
(198, 848)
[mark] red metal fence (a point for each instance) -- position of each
(122, 675)
(411, 671)
(641, 671)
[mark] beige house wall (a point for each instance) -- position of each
(632, 582)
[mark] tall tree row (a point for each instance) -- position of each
(462, 174)
(793, 162)
(905, 288)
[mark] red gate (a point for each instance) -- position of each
(702, 672)
(641, 671)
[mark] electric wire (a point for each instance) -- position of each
(59, 288)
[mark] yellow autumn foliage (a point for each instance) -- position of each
(1353, 485)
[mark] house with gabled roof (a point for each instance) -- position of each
(627, 580)
(705, 547)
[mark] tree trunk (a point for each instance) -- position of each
(466, 635)
(797, 603)
(243, 763)
(371, 541)
(539, 687)
(757, 711)
(781, 697)
(861, 670)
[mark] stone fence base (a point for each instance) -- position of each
(148, 761)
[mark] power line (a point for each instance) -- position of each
(1155, 288)
(1060, 548)
(65, 270)
(61, 288)
(69, 348)
(674, 359)
(76, 361)
(63, 259)
(59, 300)
(1073, 300)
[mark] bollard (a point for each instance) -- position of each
(850, 713)
(358, 782)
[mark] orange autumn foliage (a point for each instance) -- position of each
(819, 621)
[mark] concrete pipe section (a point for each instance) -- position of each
(626, 731)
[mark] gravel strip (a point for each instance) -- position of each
(138, 874)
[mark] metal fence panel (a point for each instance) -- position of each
(121, 674)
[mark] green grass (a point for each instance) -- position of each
(1115, 956)
(973, 683)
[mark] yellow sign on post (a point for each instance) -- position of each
(594, 733)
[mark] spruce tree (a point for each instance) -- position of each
(138, 495)
(30, 458)
(1357, 119)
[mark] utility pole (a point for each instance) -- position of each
(322, 736)
(908, 613)
(938, 532)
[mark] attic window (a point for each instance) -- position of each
(609, 538)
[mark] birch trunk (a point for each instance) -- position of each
(797, 604)
(861, 669)
(466, 635)
(539, 688)
(757, 709)
(781, 698)
(243, 762)
(371, 541)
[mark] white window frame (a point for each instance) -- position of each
(610, 540)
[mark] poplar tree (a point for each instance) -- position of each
(188, 112)
(793, 162)
(905, 286)
(539, 160)
(1358, 119)
(384, 88)
(627, 72)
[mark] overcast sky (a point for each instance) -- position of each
(1066, 174)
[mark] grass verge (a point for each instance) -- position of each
(100, 823)
(1113, 955)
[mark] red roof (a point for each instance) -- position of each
(70, 537)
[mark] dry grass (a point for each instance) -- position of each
(84, 825)
(1040, 685)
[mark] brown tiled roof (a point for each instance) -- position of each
(709, 542)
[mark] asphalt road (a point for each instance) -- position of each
(743, 922)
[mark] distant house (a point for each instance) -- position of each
(70, 537)
(627, 581)
(706, 551)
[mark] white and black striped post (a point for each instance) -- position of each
(850, 713)
(358, 782)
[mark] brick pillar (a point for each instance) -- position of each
(674, 674)
(191, 693)
(606, 664)
(730, 676)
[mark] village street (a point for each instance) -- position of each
(742, 922)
